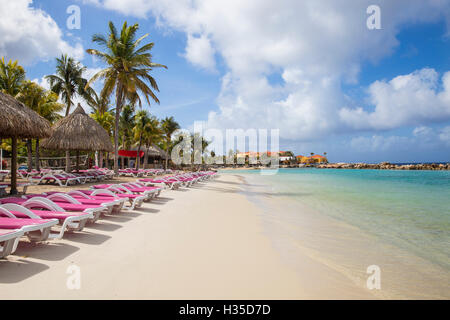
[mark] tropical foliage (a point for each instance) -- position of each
(118, 106)
(128, 71)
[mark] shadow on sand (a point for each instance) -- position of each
(50, 251)
(87, 237)
(17, 271)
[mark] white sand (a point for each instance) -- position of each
(204, 242)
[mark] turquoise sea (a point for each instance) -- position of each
(400, 219)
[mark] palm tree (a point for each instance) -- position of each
(44, 103)
(68, 82)
(152, 134)
(128, 70)
(106, 120)
(126, 124)
(169, 126)
(99, 104)
(12, 76)
(142, 119)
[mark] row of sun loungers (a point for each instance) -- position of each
(67, 179)
(143, 172)
(49, 215)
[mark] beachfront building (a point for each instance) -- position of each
(314, 159)
(285, 157)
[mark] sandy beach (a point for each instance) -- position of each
(205, 242)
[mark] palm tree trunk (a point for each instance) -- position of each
(122, 163)
(167, 151)
(38, 165)
(116, 127)
(138, 156)
(13, 166)
(29, 155)
(68, 152)
(146, 163)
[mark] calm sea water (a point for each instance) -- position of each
(408, 210)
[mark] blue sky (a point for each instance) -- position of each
(309, 68)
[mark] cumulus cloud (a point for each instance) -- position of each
(29, 34)
(315, 46)
(405, 100)
(200, 52)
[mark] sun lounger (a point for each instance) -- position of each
(9, 239)
(35, 201)
(23, 185)
(115, 203)
(74, 221)
(69, 203)
(35, 229)
(61, 180)
(172, 184)
(134, 199)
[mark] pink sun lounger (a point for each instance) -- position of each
(135, 200)
(59, 206)
(172, 184)
(123, 189)
(134, 187)
(114, 202)
(35, 229)
(73, 221)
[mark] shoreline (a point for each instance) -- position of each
(358, 166)
(298, 229)
(204, 242)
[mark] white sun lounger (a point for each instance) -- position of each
(9, 239)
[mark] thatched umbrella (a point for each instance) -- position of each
(78, 132)
(19, 121)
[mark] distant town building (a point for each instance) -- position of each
(312, 159)
(284, 156)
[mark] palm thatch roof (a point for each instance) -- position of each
(154, 150)
(78, 132)
(19, 121)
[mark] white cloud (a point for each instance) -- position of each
(200, 52)
(315, 46)
(29, 34)
(405, 100)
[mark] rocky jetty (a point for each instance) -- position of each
(385, 166)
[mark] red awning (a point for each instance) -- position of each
(130, 154)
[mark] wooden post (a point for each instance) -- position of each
(13, 166)
(78, 161)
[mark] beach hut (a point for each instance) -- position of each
(78, 132)
(17, 121)
(149, 156)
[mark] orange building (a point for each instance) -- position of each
(313, 159)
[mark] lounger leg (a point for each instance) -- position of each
(39, 235)
(7, 248)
